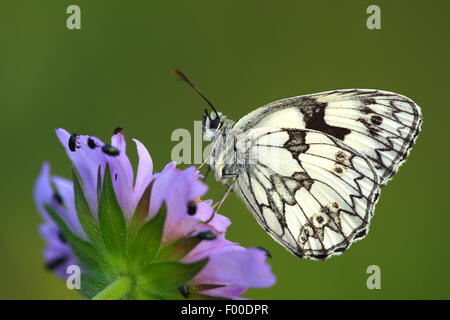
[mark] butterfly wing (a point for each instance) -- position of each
(380, 125)
(308, 190)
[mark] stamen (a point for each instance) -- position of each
(51, 265)
(57, 197)
(206, 235)
(266, 252)
(61, 237)
(91, 143)
(110, 150)
(73, 142)
(191, 208)
(118, 130)
(184, 290)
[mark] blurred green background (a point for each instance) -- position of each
(242, 54)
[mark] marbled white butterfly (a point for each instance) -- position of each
(310, 168)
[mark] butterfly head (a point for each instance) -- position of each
(211, 124)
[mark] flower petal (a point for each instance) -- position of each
(65, 189)
(59, 197)
(232, 292)
(212, 247)
(144, 172)
(121, 174)
(185, 188)
(196, 187)
(43, 191)
(204, 213)
(163, 182)
(237, 267)
(57, 254)
(87, 161)
(118, 141)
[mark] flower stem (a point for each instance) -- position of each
(116, 290)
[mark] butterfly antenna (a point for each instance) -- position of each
(207, 114)
(189, 82)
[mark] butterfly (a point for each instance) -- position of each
(311, 168)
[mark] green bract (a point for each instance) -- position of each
(126, 261)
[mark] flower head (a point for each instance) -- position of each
(143, 237)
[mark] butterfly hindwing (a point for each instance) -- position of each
(378, 124)
(308, 190)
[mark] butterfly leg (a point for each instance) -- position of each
(201, 165)
(217, 205)
(207, 173)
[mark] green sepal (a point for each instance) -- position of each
(178, 249)
(165, 275)
(84, 213)
(173, 294)
(113, 226)
(140, 294)
(89, 257)
(203, 287)
(99, 183)
(148, 240)
(141, 212)
(199, 296)
(92, 284)
(118, 289)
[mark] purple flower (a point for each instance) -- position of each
(189, 238)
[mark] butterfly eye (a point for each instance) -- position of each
(214, 124)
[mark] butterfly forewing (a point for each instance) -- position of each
(307, 189)
(378, 124)
(310, 168)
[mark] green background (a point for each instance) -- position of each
(116, 71)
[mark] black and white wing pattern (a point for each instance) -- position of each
(308, 190)
(380, 125)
